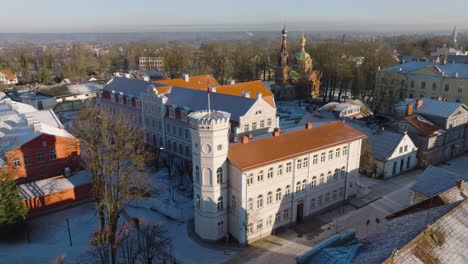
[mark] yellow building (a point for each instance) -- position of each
(422, 80)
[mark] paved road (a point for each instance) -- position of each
(284, 247)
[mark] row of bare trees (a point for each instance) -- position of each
(115, 158)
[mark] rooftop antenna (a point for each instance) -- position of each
(208, 93)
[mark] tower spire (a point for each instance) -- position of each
(454, 37)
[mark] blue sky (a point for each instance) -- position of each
(157, 15)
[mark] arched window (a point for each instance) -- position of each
(304, 182)
(298, 186)
(260, 201)
(343, 172)
(329, 175)
(197, 174)
(219, 175)
(278, 194)
(335, 176)
(220, 204)
(269, 198)
(322, 178)
(207, 177)
(250, 204)
(197, 201)
(314, 181)
(287, 190)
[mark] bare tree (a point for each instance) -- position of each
(118, 167)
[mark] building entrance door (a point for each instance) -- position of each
(299, 212)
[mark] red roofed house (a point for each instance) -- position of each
(34, 146)
(248, 190)
(7, 77)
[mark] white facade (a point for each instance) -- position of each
(259, 200)
(151, 63)
(402, 159)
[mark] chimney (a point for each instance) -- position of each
(409, 109)
(245, 140)
(439, 98)
(29, 121)
(186, 77)
(235, 139)
(128, 76)
(213, 89)
(276, 132)
(246, 94)
(308, 125)
(419, 103)
(461, 185)
(259, 95)
(146, 78)
(36, 126)
(250, 135)
(232, 81)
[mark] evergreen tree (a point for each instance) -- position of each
(12, 208)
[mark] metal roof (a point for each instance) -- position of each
(436, 180)
(131, 87)
(431, 107)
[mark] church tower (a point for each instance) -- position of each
(282, 69)
(210, 143)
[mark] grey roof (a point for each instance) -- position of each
(398, 232)
(383, 143)
(237, 106)
(450, 70)
(461, 59)
(131, 87)
(436, 180)
(432, 107)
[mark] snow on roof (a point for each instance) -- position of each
(131, 87)
(383, 143)
(436, 180)
(48, 186)
(447, 70)
(84, 88)
(18, 127)
(432, 107)
(402, 231)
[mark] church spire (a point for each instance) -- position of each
(284, 49)
(454, 37)
(303, 41)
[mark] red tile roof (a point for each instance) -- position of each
(271, 149)
(10, 75)
(199, 82)
(425, 128)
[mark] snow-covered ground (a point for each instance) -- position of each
(49, 235)
(290, 113)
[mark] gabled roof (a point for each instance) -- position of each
(436, 180)
(447, 70)
(271, 149)
(9, 74)
(432, 107)
(423, 125)
(200, 82)
(253, 88)
(237, 106)
(383, 143)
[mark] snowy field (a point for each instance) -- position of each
(290, 113)
(49, 235)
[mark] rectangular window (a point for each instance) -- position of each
(460, 89)
(345, 150)
(319, 201)
(322, 157)
(250, 204)
(312, 203)
(250, 228)
(330, 154)
(16, 162)
(40, 157)
(406, 148)
(269, 122)
(286, 214)
(260, 225)
(254, 125)
(269, 220)
(280, 170)
(27, 161)
(305, 162)
(52, 155)
(277, 218)
(270, 173)
(299, 164)
(288, 167)
(250, 179)
(262, 124)
(337, 153)
(260, 176)
(315, 159)
(246, 127)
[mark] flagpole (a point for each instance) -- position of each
(208, 91)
